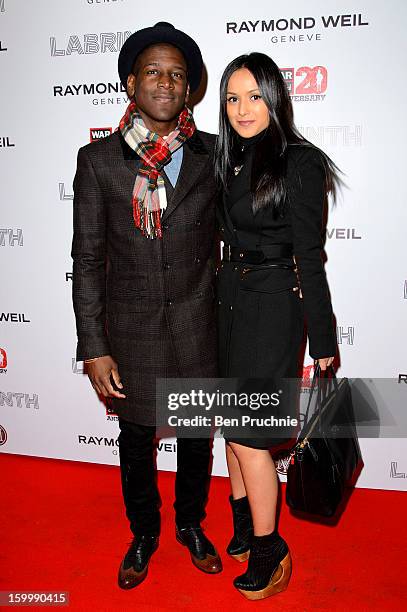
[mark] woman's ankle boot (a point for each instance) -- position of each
(239, 546)
(269, 568)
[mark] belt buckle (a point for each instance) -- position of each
(227, 252)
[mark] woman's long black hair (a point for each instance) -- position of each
(269, 165)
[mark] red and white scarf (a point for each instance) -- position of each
(149, 196)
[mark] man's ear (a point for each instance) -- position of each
(131, 85)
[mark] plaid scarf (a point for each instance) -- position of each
(149, 196)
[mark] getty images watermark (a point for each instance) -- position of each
(197, 407)
(221, 400)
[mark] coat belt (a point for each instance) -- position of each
(267, 252)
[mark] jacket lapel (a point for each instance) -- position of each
(131, 159)
(133, 165)
(227, 221)
(194, 159)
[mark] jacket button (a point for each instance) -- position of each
(197, 260)
(169, 303)
(166, 266)
(198, 223)
(165, 226)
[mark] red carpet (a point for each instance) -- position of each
(63, 528)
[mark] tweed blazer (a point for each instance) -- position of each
(147, 303)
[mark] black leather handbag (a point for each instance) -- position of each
(327, 451)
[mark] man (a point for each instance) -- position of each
(143, 279)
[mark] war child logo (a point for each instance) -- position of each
(98, 133)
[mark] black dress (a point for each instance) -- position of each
(260, 312)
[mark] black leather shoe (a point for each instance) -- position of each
(134, 567)
(239, 546)
(203, 553)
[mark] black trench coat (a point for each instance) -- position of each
(260, 312)
(148, 303)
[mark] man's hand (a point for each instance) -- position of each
(324, 362)
(99, 372)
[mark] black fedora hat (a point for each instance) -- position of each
(162, 32)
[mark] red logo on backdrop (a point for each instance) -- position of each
(305, 80)
(307, 375)
(98, 133)
(3, 435)
(3, 359)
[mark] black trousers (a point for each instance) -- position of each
(139, 479)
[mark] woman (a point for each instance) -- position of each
(272, 277)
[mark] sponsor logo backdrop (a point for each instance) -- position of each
(58, 63)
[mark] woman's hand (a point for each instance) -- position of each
(324, 362)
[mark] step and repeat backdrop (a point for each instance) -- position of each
(342, 62)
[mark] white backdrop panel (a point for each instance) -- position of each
(58, 66)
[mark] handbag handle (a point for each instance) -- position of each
(317, 371)
(318, 375)
(333, 376)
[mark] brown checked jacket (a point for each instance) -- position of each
(147, 303)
